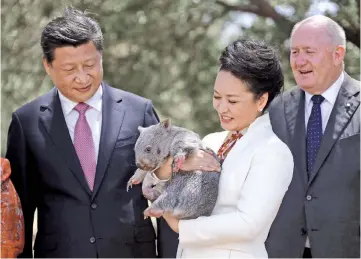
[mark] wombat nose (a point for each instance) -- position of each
(141, 165)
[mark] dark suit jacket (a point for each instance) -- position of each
(326, 208)
(72, 220)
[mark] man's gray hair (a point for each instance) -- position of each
(333, 29)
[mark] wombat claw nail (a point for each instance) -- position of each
(129, 185)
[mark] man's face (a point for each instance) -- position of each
(76, 71)
(314, 61)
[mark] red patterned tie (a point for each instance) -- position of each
(227, 146)
(84, 145)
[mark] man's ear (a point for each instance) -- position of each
(166, 123)
(339, 55)
(47, 66)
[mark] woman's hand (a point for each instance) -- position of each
(172, 221)
(201, 160)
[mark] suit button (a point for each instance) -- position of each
(308, 197)
(92, 240)
(93, 206)
(303, 231)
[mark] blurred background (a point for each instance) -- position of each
(164, 50)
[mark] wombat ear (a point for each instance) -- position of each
(141, 129)
(166, 123)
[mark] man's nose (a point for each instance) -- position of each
(82, 77)
(300, 60)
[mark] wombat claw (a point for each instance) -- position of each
(129, 185)
(131, 182)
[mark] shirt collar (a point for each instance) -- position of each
(331, 93)
(95, 101)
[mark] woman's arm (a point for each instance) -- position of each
(261, 196)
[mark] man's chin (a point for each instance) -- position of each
(305, 84)
(306, 87)
(83, 96)
(80, 97)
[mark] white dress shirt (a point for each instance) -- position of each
(330, 96)
(93, 116)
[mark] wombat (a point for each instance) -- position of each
(186, 195)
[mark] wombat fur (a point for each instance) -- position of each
(186, 195)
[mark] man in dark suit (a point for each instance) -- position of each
(72, 153)
(320, 121)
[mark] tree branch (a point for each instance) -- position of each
(352, 35)
(268, 11)
(239, 8)
(264, 9)
(352, 31)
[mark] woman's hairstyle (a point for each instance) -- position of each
(74, 28)
(255, 64)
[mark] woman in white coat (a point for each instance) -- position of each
(257, 167)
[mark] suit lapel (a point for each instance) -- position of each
(53, 120)
(291, 107)
(345, 106)
(112, 119)
(295, 119)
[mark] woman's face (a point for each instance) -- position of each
(235, 104)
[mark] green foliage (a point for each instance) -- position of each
(166, 51)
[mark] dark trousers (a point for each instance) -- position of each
(307, 253)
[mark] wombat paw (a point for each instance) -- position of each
(150, 212)
(178, 162)
(129, 185)
(131, 182)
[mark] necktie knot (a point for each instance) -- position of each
(81, 108)
(317, 99)
(236, 135)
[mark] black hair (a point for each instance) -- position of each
(74, 28)
(255, 64)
